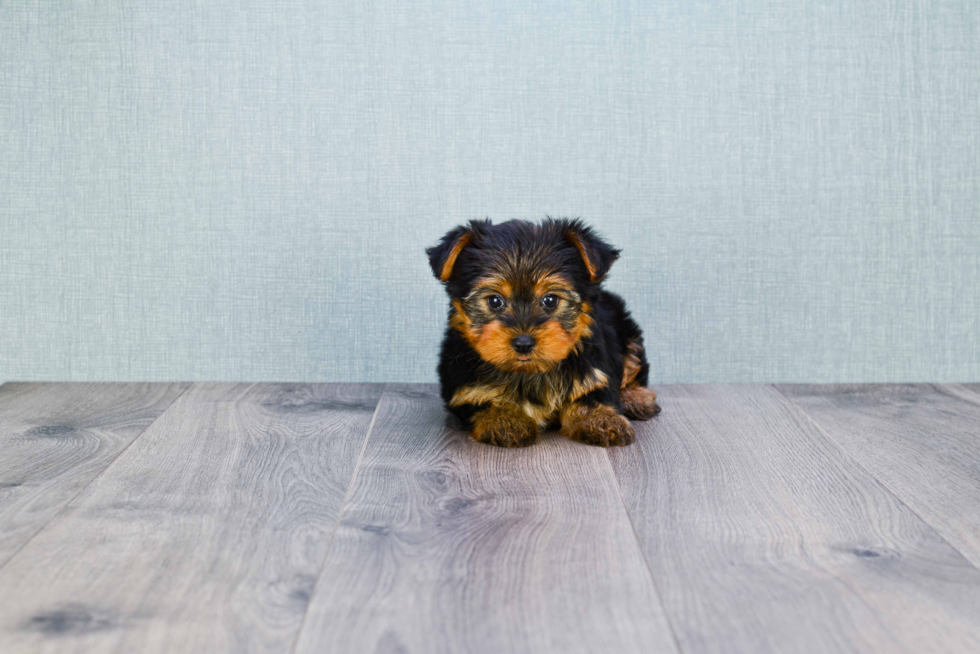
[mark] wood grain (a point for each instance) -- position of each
(922, 441)
(55, 438)
(968, 392)
(764, 536)
(206, 535)
(447, 545)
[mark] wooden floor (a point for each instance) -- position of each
(354, 518)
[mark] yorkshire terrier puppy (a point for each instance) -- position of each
(533, 340)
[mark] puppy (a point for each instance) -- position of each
(533, 340)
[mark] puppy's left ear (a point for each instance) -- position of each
(597, 255)
(442, 257)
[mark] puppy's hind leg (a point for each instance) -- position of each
(595, 424)
(638, 402)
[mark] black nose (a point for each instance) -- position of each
(523, 343)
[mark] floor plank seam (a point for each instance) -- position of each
(874, 477)
(646, 562)
(340, 515)
(67, 508)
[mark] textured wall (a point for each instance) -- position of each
(217, 190)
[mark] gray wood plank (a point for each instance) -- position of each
(447, 545)
(764, 536)
(55, 439)
(206, 535)
(968, 392)
(921, 441)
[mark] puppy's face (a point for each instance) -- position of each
(522, 321)
(519, 291)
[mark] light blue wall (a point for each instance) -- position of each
(218, 190)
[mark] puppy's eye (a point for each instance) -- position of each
(550, 301)
(495, 302)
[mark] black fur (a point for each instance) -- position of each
(522, 252)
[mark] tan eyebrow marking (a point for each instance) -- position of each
(496, 284)
(551, 282)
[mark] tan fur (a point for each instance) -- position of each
(481, 394)
(589, 266)
(597, 424)
(492, 342)
(631, 363)
(589, 383)
(639, 403)
(541, 414)
(496, 284)
(459, 320)
(447, 267)
(555, 343)
(583, 324)
(505, 426)
(552, 282)
(553, 395)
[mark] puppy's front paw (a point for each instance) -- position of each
(596, 425)
(639, 403)
(504, 427)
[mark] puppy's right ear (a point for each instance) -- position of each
(442, 257)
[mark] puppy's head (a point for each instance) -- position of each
(521, 292)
